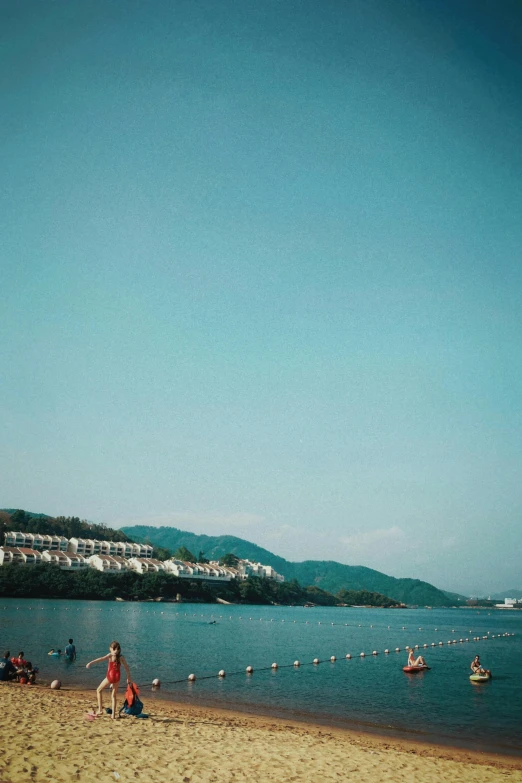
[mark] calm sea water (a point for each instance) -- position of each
(171, 641)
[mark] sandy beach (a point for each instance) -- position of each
(46, 737)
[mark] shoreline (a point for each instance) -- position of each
(49, 738)
(163, 698)
(360, 727)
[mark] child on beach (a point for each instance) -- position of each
(112, 678)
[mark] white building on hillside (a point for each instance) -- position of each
(108, 563)
(145, 564)
(208, 571)
(22, 555)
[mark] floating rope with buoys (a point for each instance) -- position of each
(249, 670)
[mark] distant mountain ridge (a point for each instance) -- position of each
(326, 574)
(507, 594)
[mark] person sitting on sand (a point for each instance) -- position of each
(115, 659)
(7, 670)
(476, 667)
(30, 673)
(412, 660)
(19, 661)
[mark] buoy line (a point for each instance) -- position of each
(249, 670)
(326, 623)
(261, 619)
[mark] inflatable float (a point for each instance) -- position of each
(412, 669)
(480, 677)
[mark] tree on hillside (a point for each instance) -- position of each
(230, 560)
(365, 598)
(184, 554)
(160, 553)
(19, 519)
(202, 558)
(318, 596)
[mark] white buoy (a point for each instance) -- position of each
(221, 673)
(316, 661)
(375, 652)
(333, 658)
(56, 685)
(249, 669)
(275, 665)
(397, 649)
(348, 655)
(156, 683)
(297, 663)
(362, 655)
(386, 652)
(191, 677)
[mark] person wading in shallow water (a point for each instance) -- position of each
(70, 651)
(115, 659)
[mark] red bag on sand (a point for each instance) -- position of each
(131, 691)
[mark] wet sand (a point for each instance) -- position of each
(46, 737)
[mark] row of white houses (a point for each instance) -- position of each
(114, 563)
(70, 561)
(76, 546)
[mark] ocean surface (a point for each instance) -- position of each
(171, 641)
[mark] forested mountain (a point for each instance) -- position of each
(70, 527)
(328, 575)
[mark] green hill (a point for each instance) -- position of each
(30, 522)
(328, 575)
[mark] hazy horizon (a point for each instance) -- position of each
(261, 275)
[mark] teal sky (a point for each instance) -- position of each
(261, 274)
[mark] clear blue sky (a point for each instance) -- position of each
(261, 274)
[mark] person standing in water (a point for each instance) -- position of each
(115, 659)
(70, 651)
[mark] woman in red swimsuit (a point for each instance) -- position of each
(115, 659)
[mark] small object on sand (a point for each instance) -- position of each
(108, 710)
(56, 685)
(90, 716)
